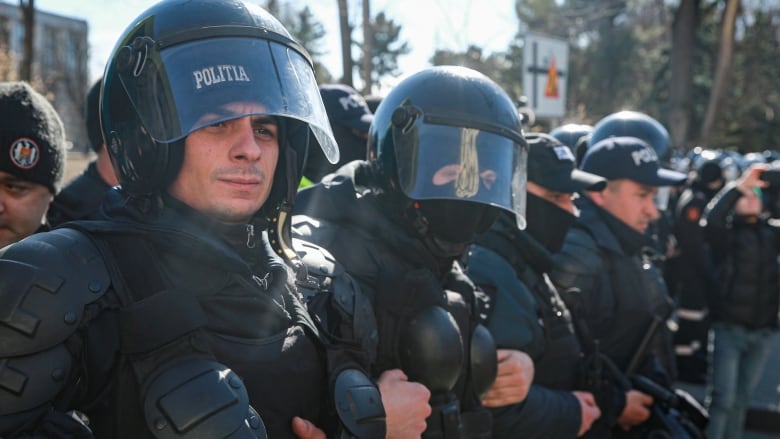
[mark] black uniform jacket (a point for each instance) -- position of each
(182, 288)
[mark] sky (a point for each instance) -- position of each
(426, 25)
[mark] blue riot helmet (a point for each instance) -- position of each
(771, 155)
(182, 65)
(752, 158)
(730, 163)
(708, 168)
(570, 133)
(575, 136)
(448, 142)
(450, 137)
(633, 124)
(700, 155)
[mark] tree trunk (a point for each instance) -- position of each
(273, 8)
(686, 23)
(723, 68)
(28, 54)
(346, 43)
(368, 33)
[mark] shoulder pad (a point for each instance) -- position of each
(312, 229)
(45, 282)
(320, 265)
(579, 253)
(28, 381)
(329, 282)
(578, 263)
(327, 275)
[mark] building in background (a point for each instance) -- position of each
(60, 63)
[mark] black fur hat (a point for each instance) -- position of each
(32, 137)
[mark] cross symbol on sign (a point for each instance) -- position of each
(535, 70)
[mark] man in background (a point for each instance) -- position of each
(527, 313)
(350, 119)
(610, 285)
(81, 198)
(32, 160)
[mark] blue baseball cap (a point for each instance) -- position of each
(551, 165)
(629, 157)
(345, 106)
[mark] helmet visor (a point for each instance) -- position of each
(188, 86)
(459, 163)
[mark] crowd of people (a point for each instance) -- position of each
(252, 254)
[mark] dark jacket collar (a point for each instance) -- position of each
(184, 230)
(609, 231)
(353, 197)
(516, 246)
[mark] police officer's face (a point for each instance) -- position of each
(228, 168)
(629, 201)
(23, 205)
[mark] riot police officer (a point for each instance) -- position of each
(175, 316)
(446, 154)
(528, 312)
(350, 119)
(663, 243)
(644, 127)
(690, 273)
(619, 294)
(81, 197)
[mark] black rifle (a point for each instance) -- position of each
(674, 411)
(641, 350)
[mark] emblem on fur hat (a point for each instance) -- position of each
(25, 153)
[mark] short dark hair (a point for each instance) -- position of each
(92, 117)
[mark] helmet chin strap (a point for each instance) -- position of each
(282, 197)
(278, 213)
(279, 234)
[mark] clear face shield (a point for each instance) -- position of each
(448, 160)
(185, 87)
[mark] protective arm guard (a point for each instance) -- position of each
(200, 398)
(46, 281)
(335, 300)
(348, 328)
(359, 405)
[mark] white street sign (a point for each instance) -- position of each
(545, 71)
